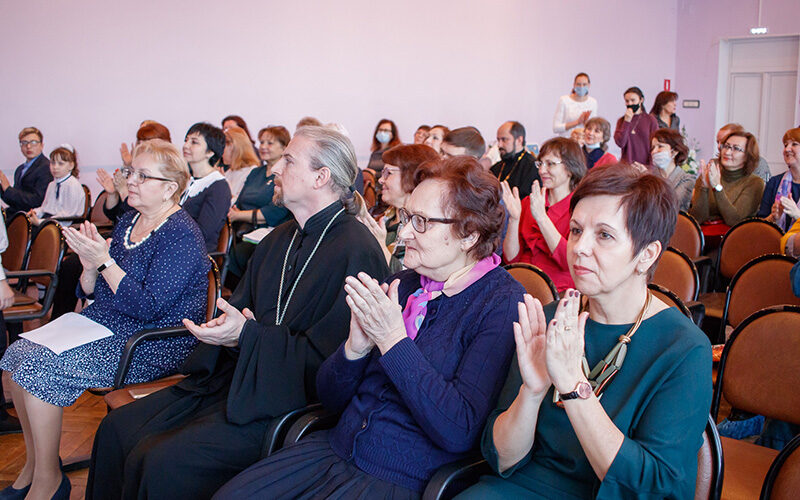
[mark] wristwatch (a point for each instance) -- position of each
(583, 390)
(718, 188)
(105, 265)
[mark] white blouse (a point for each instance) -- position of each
(568, 110)
(70, 201)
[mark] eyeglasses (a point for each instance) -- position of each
(728, 147)
(419, 222)
(386, 172)
(31, 143)
(547, 163)
(139, 177)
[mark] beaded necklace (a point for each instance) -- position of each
(127, 241)
(606, 368)
(278, 314)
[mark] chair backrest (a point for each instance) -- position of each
(745, 241)
(47, 250)
(96, 215)
(370, 188)
(761, 283)
(87, 205)
(676, 272)
(709, 465)
(688, 237)
(214, 290)
(535, 281)
(19, 242)
(758, 371)
(668, 297)
(783, 478)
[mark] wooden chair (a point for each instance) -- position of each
(19, 242)
(41, 268)
(670, 298)
(783, 478)
(221, 255)
(535, 281)
(758, 373)
(762, 282)
(96, 214)
(742, 243)
(688, 237)
(370, 188)
(677, 272)
(121, 394)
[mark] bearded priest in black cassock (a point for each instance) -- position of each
(259, 359)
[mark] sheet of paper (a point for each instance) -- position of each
(67, 332)
(256, 236)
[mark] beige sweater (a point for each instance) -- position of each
(738, 200)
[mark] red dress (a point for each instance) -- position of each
(533, 247)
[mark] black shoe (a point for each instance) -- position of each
(64, 489)
(9, 425)
(11, 493)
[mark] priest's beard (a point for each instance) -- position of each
(277, 198)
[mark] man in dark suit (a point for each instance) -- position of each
(31, 178)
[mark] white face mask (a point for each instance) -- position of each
(592, 146)
(662, 159)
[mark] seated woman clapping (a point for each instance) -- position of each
(538, 225)
(153, 274)
(611, 389)
(425, 359)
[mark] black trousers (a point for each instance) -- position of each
(172, 444)
(69, 275)
(4, 341)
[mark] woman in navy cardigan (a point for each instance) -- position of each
(426, 358)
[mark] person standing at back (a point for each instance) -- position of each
(634, 129)
(574, 109)
(31, 178)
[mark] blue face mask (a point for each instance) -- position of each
(383, 136)
(581, 91)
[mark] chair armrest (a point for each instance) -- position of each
(704, 266)
(279, 427)
(455, 477)
(314, 421)
(31, 273)
(698, 311)
(217, 254)
(79, 218)
(138, 338)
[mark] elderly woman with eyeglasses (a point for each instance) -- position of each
(609, 394)
(725, 196)
(152, 275)
(397, 182)
(425, 358)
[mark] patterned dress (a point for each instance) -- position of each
(166, 280)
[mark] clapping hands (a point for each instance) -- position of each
(376, 311)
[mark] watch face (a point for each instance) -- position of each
(584, 390)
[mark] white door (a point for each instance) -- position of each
(762, 91)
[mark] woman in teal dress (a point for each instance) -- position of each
(631, 433)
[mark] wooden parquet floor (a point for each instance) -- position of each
(77, 434)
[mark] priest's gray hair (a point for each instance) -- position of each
(333, 150)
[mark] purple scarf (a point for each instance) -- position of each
(417, 304)
(784, 189)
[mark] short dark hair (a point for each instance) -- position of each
(426, 128)
(214, 137)
(153, 130)
(570, 153)
(517, 131)
(281, 134)
(647, 201)
(407, 158)
(473, 199)
(395, 136)
(634, 90)
(676, 142)
(751, 153)
(469, 138)
(663, 98)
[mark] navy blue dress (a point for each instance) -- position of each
(166, 280)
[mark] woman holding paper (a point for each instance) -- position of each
(151, 274)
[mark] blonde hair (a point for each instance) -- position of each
(169, 160)
(30, 130)
(242, 154)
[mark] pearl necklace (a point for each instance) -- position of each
(127, 241)
(278, 314)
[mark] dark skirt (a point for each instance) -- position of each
(309, 470)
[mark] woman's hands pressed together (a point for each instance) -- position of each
(565, 343)
(376, 310)
(530, 337)
(86, 241)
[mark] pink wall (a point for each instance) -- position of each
(88, 72)
(702, 23)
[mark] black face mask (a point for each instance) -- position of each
(633, 107)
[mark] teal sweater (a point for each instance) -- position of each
(660, 401)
